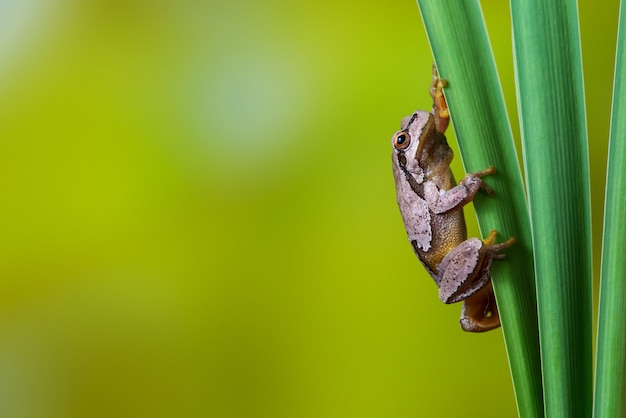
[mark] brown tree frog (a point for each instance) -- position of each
(431, 204)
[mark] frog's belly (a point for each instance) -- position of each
(448, 231)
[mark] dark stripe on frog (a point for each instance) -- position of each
(406, 128)
(417, 188)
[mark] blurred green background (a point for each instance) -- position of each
(198, 216)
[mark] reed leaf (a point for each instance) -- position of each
(460, 45)
(548, 69)
(609, 400)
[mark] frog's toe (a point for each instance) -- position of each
(496, 248)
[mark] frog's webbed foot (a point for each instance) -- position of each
(440, 107)
(485, 172)
(480, 312)
(494, 249)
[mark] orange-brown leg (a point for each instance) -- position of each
(480, 312)
(495, 249)
(440, 107)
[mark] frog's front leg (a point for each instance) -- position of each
(465, 270)
(440, 107)
(440, 201)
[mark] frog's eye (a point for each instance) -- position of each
(402, 140)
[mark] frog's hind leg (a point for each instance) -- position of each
(480, 312)
(465, 269)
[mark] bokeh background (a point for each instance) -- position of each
(198, 218)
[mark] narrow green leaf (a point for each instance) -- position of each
(609, 398)
(548, 68)
(459, 41)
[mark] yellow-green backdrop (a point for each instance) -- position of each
(198, 219)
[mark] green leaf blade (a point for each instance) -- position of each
(548, 67)
(459, 41)
(609, 399)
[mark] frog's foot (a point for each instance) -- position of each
(440, 107)
(485, 172)
(480, 312)
(494, 249)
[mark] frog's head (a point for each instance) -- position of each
(410, 139)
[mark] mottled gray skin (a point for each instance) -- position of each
(432, 212)
(431, 206)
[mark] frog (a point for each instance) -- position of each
(431, 204)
